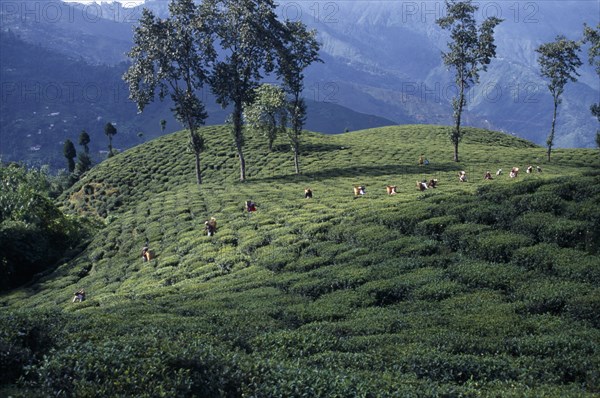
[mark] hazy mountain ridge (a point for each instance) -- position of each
(93, 33)
(45, 103)
(381, 58)
(512, 80)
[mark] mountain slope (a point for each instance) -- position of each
(44, 104)
(98, 35)
(484, 287)
(382, 58)
(388, 54)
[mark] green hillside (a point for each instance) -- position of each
(483, 288)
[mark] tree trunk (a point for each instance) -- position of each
(196, 146)
(242, 165)
(272, 132)
(456, 151)
(456, 138)
(550, 140)
(297, 127)
(239, 139)
(297, 157)
(198, 172)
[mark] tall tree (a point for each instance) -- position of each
(558, 62)
(70, 153)
(592, 36)
(248, 32)
(84, 163)
(471, 50)
(110, 130)
(300, 50)
(84, 141)
(172, 55)
(267, 114)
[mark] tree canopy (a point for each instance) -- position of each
(175, 56)
(268, 113)
(110, 130)
(170, 56)
(84, 140)
(591, 36)
(70, 153)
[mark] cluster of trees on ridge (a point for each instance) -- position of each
(84, 161)
(178, 55)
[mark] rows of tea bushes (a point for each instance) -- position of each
(488, 288)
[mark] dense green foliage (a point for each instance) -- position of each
(267, 114)
(483, 288)
(34, 234)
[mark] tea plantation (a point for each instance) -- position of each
(483, 288)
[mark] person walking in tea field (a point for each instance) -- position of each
(210, 226)
(250, 206)
(147, 254)
(79, 296)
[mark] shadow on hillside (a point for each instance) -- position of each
(363, 171)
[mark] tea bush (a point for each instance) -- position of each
(458, 236)
(496, 246)
(577, 265)
(566, 233)
(25, 337)
(109, 369)
(540, 257)
(435, 226)
(549, 296)
(389, 291)
(481, 274)
(437, 291)
(585, 308)
(539, 202)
